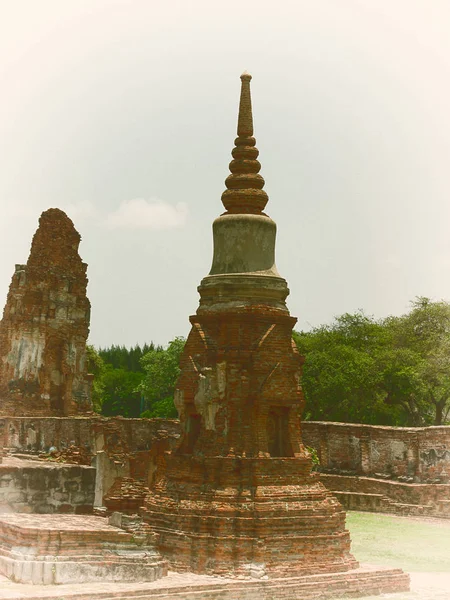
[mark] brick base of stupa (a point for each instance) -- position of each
(256, 516)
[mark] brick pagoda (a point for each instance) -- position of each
(238, 495)
(45, 326)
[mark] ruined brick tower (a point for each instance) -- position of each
(45, 326)
(238, 495)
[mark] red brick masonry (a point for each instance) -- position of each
(382, 487)
(237, 494)
(45, 326)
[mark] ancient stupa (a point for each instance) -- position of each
(238, 495)
(45, 326)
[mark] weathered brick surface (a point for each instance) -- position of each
(71, 549)
(116, 435)
(2, 439)
(75, 455)
(254, 501)
(237, 495)
(176, 586)
(138, 448)
(427, 458)
(414, 454)
(390, 469)
(117, 447)
(31, 486)
(45, 326)
(378, 495)
(126, 495)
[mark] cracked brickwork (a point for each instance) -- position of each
(132, 448)
(126, 496)
(408, 454)
(414, 481)
(45, 326)
(32, 486)
(237, 495)
(402, 470)
(74, 549)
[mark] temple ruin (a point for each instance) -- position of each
(237, 495)
(241, 471)
(45, 326)
(226, 497)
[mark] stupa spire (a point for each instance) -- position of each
(244, 193)
(245, 118)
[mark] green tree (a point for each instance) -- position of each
(394, 371)
(161, 370)
(117, 381)
(341, 376)
(96, 366)
(400, 382)
(417, 370)
(121, 394)
(129, 359)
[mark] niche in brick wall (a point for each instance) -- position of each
(278, 439)
(193, 426)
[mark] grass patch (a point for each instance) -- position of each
(415, 546)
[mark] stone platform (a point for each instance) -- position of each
(64, 549)
(37, 486)
(353, 584)
(381, 495)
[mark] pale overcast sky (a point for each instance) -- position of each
(123, 113)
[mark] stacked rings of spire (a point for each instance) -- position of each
(244, 193)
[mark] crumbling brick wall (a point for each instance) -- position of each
(45, 326)
(354, 457)
(2, 439)
(115, 435)
(117, 447)
(45, 487)
(420, 455)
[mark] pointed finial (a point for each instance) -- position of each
(244, 192)
(245, 119)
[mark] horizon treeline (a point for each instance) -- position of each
(121, 357)
(358, 369)
(136, 381)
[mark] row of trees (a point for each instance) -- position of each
(393, 371)
(135, 382)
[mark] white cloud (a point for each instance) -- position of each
(80, 210)
(147, 214)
